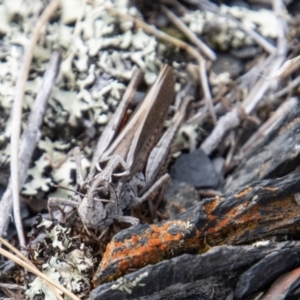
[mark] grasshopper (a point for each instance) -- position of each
(126, 168)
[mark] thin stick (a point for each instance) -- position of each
(190, 35)
(26, 260)
(17, 112)
(159, 34)
(206, 5)
(293, 84)
(206, 91)
(276, 118)
(12, 286)
(233, 118)
(35, 271)
(30, 138)
(279, 57)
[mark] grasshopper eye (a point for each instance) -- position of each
(103, 193)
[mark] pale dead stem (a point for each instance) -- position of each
(17, 112)
(23, 261)
(269, 48)
(273, 63)
(30, 137)
(178, 43)
(276, 118)
(202, 64)
(189, 34)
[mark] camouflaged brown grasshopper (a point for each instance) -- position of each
(126, 169)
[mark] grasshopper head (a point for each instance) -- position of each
(96, 209)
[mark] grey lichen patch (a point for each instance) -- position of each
(224, 33)
(39, 182)
(219, 81)
(65, 262)
(125, 285)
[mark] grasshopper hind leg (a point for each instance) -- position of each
(158, 185)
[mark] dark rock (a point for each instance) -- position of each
(276, 155)
(166, 278)
(265, 272)
(197, 169)
(227, 63)
(180, 196)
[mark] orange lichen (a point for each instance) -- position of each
(211, 230)
(134, 239)
(243, 193)
(143, 249)
(163, 247)
(155, 228)
(165, 226)
(211, 205)
(154, 235)
(118, 244)
(223, 223)
(155, 243)
(125, 252)
(123, 264)
(188, 235)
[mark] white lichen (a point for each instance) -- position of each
(68, 268)
(127, 286)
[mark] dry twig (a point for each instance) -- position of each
(26, 263)
(206, 5)
(190, 35)
(269, 125)
(30, 138)
(233, 118)
(17, 112)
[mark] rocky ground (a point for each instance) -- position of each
(228, 224)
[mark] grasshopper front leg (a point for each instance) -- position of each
(55, 202)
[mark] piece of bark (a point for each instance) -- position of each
(276, 155)
(283, 285)
(263, 273)
(164, 279)
(264, 208)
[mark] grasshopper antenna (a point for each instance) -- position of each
(76, 192)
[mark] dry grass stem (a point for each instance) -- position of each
(17, 112)
(190, 35)
(269, 48)
(273, 63)
(28, 265)
(269, 125)
(30, 138)
(293, 84)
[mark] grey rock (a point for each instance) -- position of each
(197, 169)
